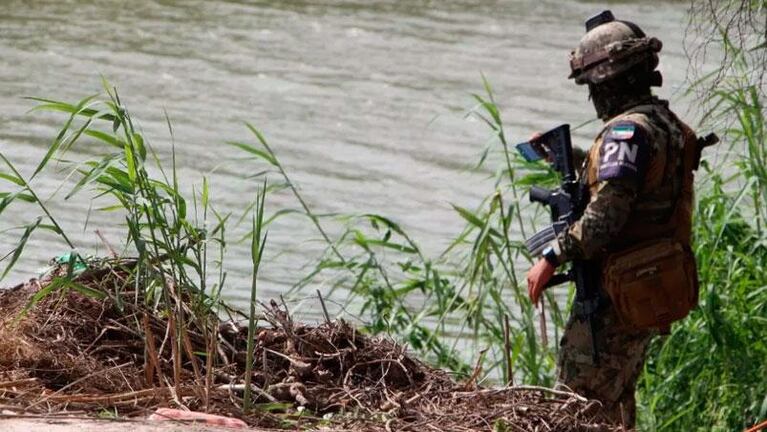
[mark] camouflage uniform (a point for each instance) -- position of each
(639, 174)
(639, 191)
(629, 192)
(621, 355)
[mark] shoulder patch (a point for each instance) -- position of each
(622, 131)
(624, 152)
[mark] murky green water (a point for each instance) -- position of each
(364, 100)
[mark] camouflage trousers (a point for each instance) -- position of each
(621, 357)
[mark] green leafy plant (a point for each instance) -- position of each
(707, 375)
(419, 299)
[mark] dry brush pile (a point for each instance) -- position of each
(96, 345)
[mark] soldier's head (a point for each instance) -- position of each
(617, 61)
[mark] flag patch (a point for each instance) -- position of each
(622, 131)
(624, 153)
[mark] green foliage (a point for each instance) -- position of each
(169, 239)
(167, 235)
(257, 244)
(709, 374)
(470, 288)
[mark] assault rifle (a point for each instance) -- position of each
(566, 204)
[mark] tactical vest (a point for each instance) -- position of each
(663, 207)
(650, 273)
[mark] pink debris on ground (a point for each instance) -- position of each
(164, 414)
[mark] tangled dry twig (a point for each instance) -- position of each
(75, 352)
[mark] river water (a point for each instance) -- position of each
(364, 101)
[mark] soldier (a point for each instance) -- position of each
(639, 174)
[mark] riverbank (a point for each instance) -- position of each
(90, 343)
(59, 424)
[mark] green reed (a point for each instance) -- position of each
(709, 373)
(257, 244)
(169, 240)
(472, 287)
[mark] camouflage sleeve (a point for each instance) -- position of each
(624, 154)
(602, 220)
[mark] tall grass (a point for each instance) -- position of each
(171, 240)
(472, 288)
(710, 374)
(258, 242)
(428, 302)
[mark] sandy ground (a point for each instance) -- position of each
(80, 425)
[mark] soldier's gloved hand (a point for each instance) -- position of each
(538, 277)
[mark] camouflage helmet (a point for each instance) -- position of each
(609, 48)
